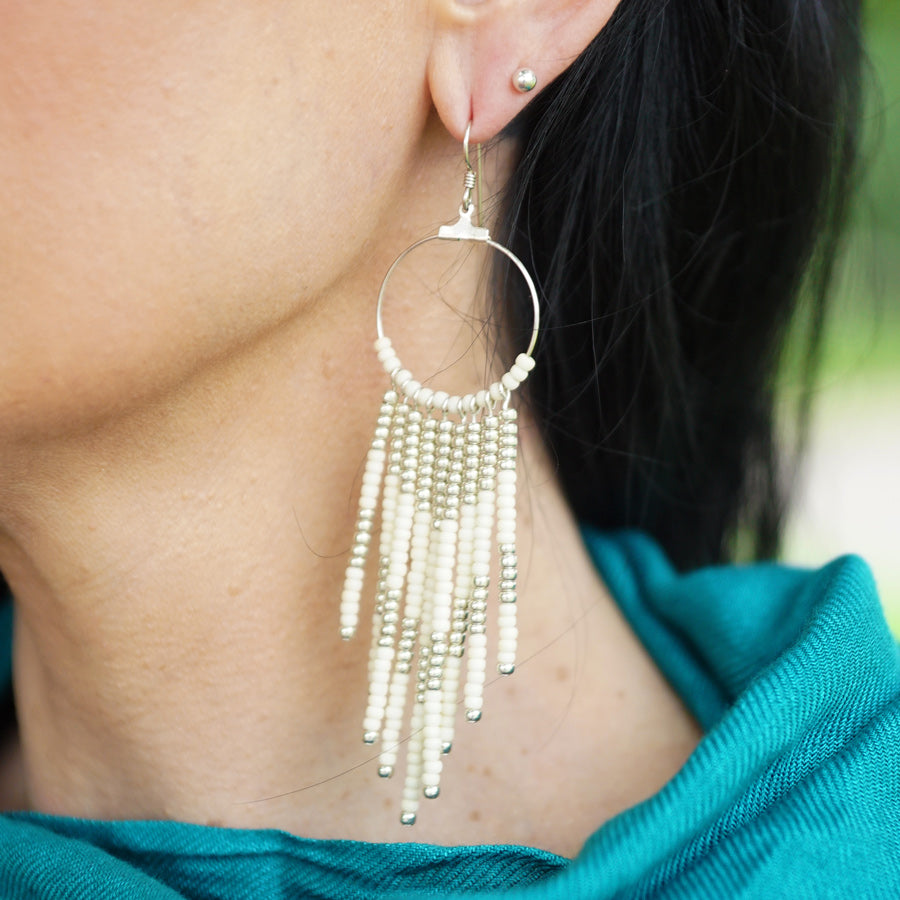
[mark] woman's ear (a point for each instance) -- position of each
(479, 45)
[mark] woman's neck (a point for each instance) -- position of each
(177, 573)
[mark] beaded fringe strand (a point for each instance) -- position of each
(444, 470)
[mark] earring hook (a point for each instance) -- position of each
(472, 176)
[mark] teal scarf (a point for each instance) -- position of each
(793, 792)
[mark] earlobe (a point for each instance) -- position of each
(480, 46)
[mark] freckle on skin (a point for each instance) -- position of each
(487, 771)
(562, 673)
(234, 590)
(474, 816)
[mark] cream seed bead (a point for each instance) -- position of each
(525, 361)
(518, 373)
(432, 740)
(509, 382)
(397, 564)
(372, 478)
(412, 783)
(448, 703)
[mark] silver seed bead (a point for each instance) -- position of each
(432, 792)
(473, 715)
(408, 818)
(507, 596)
(506, 668)
(370, 737)
(481, 581)
(385, 771)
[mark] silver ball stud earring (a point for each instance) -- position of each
(524, 81)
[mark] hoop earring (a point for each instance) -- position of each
(449, 485)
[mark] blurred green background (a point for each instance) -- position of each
(849, 494)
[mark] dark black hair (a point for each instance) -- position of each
(680, 189)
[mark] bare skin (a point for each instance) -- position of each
(187, 389)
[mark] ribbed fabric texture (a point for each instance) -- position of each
(793, 792)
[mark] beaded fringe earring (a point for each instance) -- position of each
(444, 470)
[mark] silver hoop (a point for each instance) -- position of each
(461, 230)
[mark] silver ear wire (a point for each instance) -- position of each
(524, 80)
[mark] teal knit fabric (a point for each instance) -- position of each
(794, 790)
